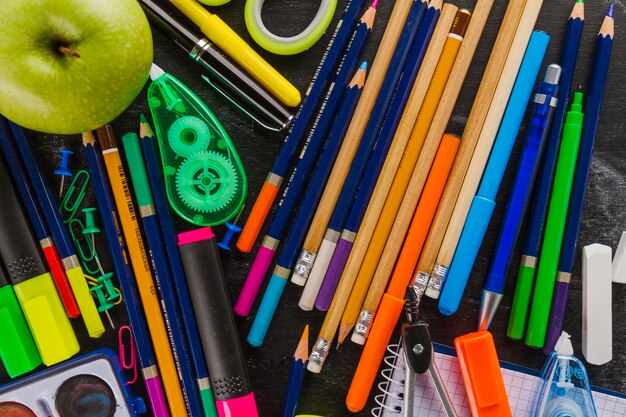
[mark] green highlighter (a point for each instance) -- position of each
(205, 180)
(555, 225)
(18, 351)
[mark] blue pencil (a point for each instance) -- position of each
(374, 166)
(539, 203)
(527, 167)
(296, 375)
(169, 234)
(370, 135)
(281, 274)
(321, 80)
(160, 265)
(306, 164)
(484, 202)
(595, 95)
(61, 237)
(123, 270)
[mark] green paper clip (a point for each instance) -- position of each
(74, 196)
(205, 181)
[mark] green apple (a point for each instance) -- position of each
(69, 66)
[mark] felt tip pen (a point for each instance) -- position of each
(235, 47)
(216, 323)
(124, 272)
(483, 204)
(225, 76)
(537, 132)
(50, 327)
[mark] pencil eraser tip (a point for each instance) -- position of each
(358, 339)
(314, 367)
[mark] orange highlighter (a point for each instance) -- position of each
(482, 376)
(392, 302)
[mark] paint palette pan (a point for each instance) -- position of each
(89, 386)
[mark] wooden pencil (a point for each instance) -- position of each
(400, 182)
(483, 143)
(377, 342)
(296, 375)
(357, 125)
(470, 136)
(371, 239)
(141, 268)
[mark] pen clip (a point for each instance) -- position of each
(127, 363)
(232, 100)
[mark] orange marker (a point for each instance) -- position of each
(482, 376)
(393, 300)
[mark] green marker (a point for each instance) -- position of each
(17, 347)
(555, 225)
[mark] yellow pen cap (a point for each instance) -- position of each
(51, 329)
(86, 303)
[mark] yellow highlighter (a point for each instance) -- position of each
(235, 47)
(35, 291)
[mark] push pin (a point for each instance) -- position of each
(231, 229)
(63, 171)
(105, 293)
(90, 229)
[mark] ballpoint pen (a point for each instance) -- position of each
(228, 41)
(483, 204)
(223, 75)
(539, 127)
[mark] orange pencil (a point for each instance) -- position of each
(392, 303)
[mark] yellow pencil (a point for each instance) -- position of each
(377, 223)
(474, 172)
(141, 268)
(382, 220)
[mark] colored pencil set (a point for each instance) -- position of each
(394, 200)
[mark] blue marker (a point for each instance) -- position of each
(484, 202)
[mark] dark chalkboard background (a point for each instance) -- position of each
(324, 394)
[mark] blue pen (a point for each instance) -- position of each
(161, 268)
(280, 275)
(537, 132)
(368, 139)
(321, 80)
(151, 160)
(484, 202)
(124, 272)
(379, 156)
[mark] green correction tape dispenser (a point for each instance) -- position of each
(205, 181)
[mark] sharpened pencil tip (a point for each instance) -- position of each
(611, 12)
(374, 4)
(363, 66)
(145, 131)
(302, 351)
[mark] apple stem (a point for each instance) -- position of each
(68, 51)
